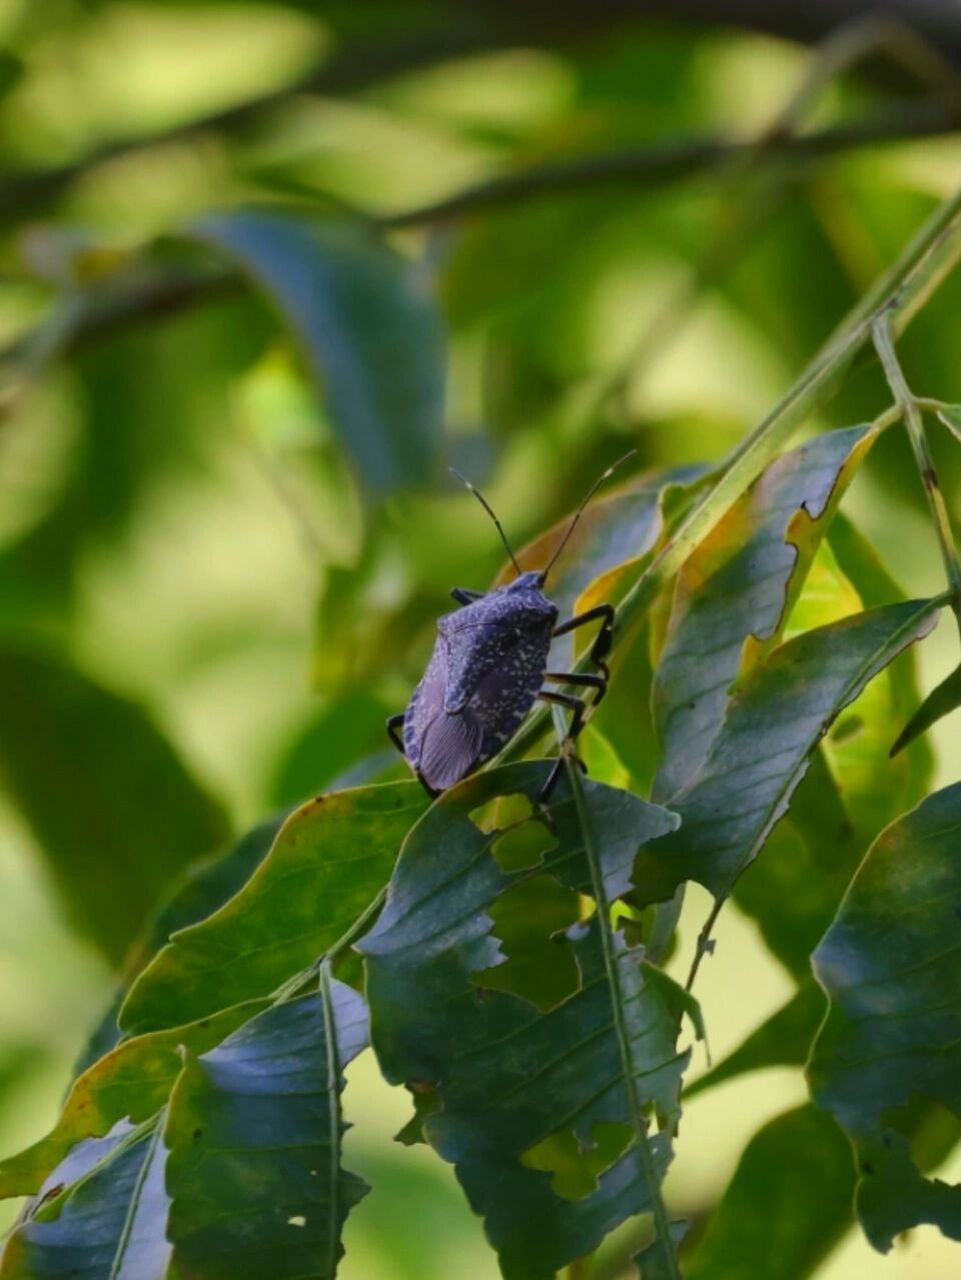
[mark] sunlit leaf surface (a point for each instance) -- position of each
(328, 862)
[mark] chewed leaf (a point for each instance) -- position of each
(760, 755)
(893, 1030)
(735, 591)
(254, 1133)
(370, 332)
(329, 860)
(507, 1120)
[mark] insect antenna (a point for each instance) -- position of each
(606, 475)
(490, 511)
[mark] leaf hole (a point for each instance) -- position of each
(502, 812)
(530, 919)
(577, 1167)
(523, 846)
(925, 1123)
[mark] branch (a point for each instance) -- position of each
(152, 294)
(663, 162)
(466, 29)
(354, 67)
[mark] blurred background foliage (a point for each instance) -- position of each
(226, 527)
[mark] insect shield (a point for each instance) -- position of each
(488, 669)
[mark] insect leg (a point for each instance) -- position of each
(393, 724)
(464, 595)
(579, 709)
(602, 641)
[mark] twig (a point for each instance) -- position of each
(747, 210)
(354, 67)
(672, 160)
(933, 252)
(884, 345)
(705, 943)
(151, 294)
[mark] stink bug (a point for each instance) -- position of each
(487, 670)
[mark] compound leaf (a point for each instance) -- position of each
(202, 889)
(131, 1082)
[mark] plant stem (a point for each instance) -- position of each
(662, 1224)
(900, 291)
(911, 412)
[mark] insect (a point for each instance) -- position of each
(488, 668)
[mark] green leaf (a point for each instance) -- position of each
(736, 590)
(809, 858)
(857, 750)
(202, 889)
(11, 71)
(131, 1082)
(893, 1030)
(254, 1132)
(787, 1205)
(346, 729)
(851, 790)
(950, 415)
(528, 1102)
(939, 703)
(614, 535)
(111, 804)
(369, 329)
(328, 862)
(102, 1213)
(773, 723)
